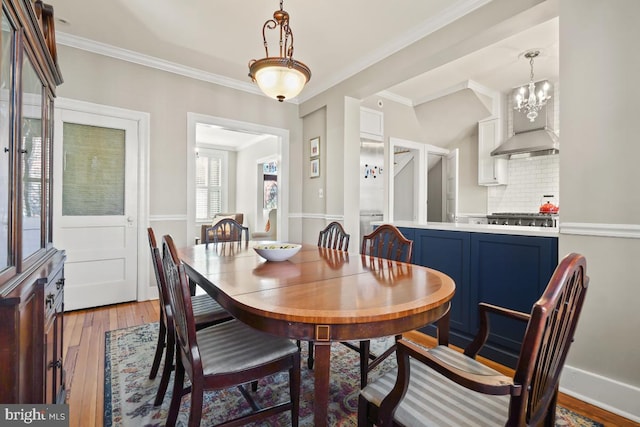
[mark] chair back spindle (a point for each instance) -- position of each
(334, 237)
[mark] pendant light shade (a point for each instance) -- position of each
(279, 77)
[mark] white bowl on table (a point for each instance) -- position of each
(277, 251)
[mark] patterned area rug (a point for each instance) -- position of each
(129, 393)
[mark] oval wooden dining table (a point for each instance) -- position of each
(320, 295)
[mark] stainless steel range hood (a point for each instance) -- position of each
(537, 142)
(530, 139)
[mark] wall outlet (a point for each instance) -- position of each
(320, 193)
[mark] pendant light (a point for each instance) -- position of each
(279, 77)
(527, 101)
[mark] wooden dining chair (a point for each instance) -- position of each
(332, 236)
(224, 355)
(226, 230)
(387, 242)
(475, 393)
(206, 312)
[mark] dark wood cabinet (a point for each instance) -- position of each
(507, 270)
(31, 269)
(54, 315)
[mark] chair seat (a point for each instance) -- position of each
(206, 309)
(233, 347)
(433, 400)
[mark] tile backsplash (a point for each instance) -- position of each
(529, 179)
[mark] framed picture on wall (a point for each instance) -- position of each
(314, 147)
(314, 168)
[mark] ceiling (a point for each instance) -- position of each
(336, 39)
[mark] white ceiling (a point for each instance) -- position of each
(336, 39)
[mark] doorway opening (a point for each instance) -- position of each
(267, 200)
(423, 182)
(245, 143)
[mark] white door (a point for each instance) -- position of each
(95, 206)
(451, 203)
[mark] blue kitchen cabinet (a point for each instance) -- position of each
(507, 270)
(449, 252)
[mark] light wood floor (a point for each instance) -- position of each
(84, 362)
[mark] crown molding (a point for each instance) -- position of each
(456, 11)
(153, 62)
(395, 98)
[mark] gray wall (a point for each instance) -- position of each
(472, 198)
(434, 192)
(599, 178)
(247, 178)
(403, 201)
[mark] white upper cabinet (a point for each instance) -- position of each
(491, 170)
(371, 124)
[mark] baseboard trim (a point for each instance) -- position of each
(613, 396)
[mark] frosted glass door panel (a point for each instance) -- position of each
(93, 177)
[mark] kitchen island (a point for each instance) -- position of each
(508, 266)
(516, 230)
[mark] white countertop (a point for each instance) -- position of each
(479, 228)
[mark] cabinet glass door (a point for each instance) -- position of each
(6, 86)
(32, 157)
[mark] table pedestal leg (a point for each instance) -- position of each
(322, 373)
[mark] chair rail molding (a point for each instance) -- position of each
(629, 231)
(327, 217)
(174, 217)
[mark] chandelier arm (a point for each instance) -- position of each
(288, 50)
(270, 24)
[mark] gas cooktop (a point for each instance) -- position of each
(532, 219)
(523, 214)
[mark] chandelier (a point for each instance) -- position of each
(526, 98)
(279, 77)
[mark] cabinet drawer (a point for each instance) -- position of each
(54, 292)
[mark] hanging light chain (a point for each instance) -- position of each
(531, 64)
